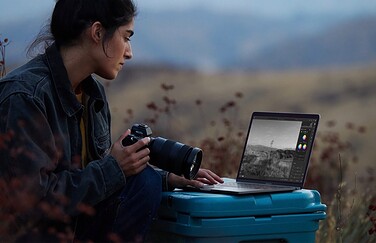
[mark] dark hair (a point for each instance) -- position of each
(71, 17)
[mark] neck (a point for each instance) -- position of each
(77, 64)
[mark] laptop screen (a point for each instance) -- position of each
(278, 148)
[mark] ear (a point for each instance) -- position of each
(96, 32)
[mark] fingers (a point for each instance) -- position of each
(208, 177)
(203, 177)
(132, 158)
(126, 133)
(196, 183)
(180, 181)
(141, 143)
(136, 167)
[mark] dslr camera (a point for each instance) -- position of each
(168, 155)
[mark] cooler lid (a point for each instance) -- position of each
(198, 204)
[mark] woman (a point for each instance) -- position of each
(56, 121)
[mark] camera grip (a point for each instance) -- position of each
(129, 140)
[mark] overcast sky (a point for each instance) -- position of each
(267, 7)
(284, 134)
(14, 9)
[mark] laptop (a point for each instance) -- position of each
(276, 154)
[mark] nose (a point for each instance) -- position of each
(128, 52)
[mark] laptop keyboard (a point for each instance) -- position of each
(247, 185)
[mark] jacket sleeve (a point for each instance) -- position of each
(29, 151)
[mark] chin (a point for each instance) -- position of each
(108, 76)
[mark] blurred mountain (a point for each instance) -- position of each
(349, 43)
(208, 40)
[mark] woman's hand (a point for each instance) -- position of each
(204, 176)
(132, 159)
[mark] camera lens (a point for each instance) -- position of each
(168, 155)
(175, 157)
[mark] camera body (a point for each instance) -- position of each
(138, 131)
(168, 155)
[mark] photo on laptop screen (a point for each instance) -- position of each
(270, 149)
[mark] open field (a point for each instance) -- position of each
(345, 98)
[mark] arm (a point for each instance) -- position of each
(33, 153)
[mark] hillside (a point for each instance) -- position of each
(349, 43)
(205, 40)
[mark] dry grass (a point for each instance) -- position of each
(342, 96)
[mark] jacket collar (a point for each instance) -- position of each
(63, 86)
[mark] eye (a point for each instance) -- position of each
(127, 39)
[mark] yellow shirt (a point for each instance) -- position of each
(80, 98)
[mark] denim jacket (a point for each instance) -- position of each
(41, 138)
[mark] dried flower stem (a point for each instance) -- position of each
(3, 44)
(339, 226)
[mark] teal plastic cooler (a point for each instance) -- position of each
(205, 217)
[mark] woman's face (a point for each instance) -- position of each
(118, 50)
